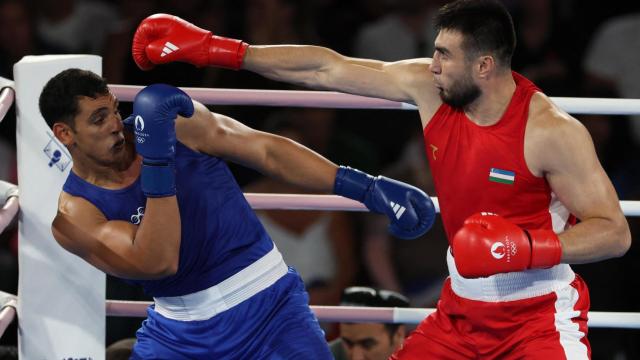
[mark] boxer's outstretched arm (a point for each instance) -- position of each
(270, 154)
(322, 68)
(312, 66)
(289, 161)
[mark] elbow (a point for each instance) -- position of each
(623, 239)
(162, 269)
(170, 267)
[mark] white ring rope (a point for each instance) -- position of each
(6, 99)
(261, 201)
(8, 212)
(336, 100)
(597, 319)
(8, 304)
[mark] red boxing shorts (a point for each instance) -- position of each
(547, 327)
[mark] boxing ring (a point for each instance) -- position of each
(84, 316)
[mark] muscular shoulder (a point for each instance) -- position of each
(416, 78)
(413, 74)
(75, 206)
(200, 129)
(552, 135)
(76, 216)
(411, 69)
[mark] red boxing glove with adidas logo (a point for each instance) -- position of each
(488, 244)
(163, 38)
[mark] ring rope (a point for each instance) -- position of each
(11, 208)
(261, 201)
(8, 305)
(597, 319)
(336, 100)
(6, 99)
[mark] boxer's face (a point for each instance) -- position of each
(98, 133)
(452, 72)
(369, 341)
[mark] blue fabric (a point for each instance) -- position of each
(282, 327)
(221, 234)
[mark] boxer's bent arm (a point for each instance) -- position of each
(148, 251)
(568, 159)
(270, 154)
(323, 68)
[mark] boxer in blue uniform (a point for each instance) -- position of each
(151, 200)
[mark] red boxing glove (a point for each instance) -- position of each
(488, 244)
(162, 38)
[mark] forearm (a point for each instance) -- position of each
(299, 64)
(298, 165)
(595, 239)
(321, 68)
(157, 241)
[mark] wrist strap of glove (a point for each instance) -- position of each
(158, 180)
(352, 183)
(227, 53)
(546, 249)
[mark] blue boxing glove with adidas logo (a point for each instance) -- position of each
(411, 212)
(154, 113)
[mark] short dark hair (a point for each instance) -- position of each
(486, 26)
(59, 97)
(371, 297)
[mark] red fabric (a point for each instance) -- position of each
(521, 329)
(461, 155)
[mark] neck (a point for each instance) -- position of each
(491, 105)
(109, 177)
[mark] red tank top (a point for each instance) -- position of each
(482, 168)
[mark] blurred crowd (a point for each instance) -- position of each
(568, 48)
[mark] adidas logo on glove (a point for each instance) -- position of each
(168, 49)
(397, 209)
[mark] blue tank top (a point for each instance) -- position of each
(221, 234)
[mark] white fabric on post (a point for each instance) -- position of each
(61, 310)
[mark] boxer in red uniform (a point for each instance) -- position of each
(512, 173)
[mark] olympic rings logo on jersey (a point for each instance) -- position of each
(137, 218)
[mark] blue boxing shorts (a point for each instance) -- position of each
(275, 323)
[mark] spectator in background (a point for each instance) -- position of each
(544, 46)
(118, 40)
(416, 268)
(406, 32)
(370, 341)
(75, 26)
(318, 244)
(612, 59)
(17, 35)
(8, 353)
(120, 350)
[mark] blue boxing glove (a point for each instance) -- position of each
(154, 113)
(410, 210)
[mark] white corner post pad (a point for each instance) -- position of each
(61, 310)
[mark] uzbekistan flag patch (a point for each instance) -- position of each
(502, 176)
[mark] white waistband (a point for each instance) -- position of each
(510, 286)
(205, 304)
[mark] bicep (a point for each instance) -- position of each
(577, 177)
(219, 135)
(107, 245)
(406, 81)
